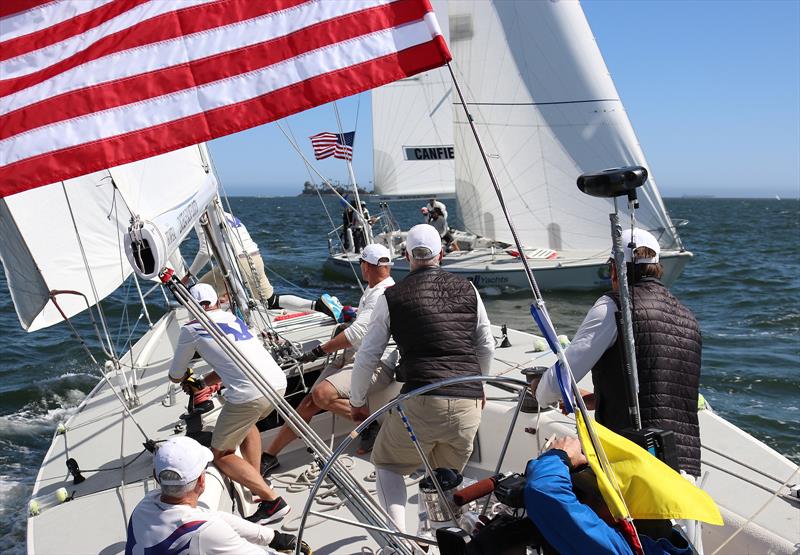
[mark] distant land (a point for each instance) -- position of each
(311, 189)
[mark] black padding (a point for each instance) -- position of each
(612, 183)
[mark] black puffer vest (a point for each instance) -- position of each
(668, 346)
(433, 315)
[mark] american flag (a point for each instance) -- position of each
(338, 145)
(91, 84)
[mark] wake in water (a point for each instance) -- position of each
(25, 435)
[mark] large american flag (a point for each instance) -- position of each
(338, 145)
(90, 84)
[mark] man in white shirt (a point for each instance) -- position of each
(442, 331)
(251, 266)
(170, 520)
(428, 209)
(244, 403)
(331, 391)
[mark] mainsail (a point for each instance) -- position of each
(547, 111)
(70, 236)
(412, 132)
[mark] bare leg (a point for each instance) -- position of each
(251, 448)
(326, 397)
(306, 409)
(242, 472)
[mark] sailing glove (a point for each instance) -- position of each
(314, 354)
(283, 542)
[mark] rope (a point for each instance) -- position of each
(755, 514)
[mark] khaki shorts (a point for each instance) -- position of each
(445, 427)
(235, 420)
(341, 378)
(258, 283)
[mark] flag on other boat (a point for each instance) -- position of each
(94, 84)
(338, 145)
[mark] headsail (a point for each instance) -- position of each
(47, 231)
(86, 89)
(412, 131)
(547, 110)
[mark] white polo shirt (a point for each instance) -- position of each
(238, 388)
(358, 329)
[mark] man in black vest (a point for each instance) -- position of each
(442, 331)
(668, 346)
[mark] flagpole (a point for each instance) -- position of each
(359, 213)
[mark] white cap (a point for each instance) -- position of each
(184, 456)
(642, 238)
(374, 253)
(424, 235)
(204, 293)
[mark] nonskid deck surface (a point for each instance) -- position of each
(99, 437)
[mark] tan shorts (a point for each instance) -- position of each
(341, 377)
(445, 427)
(257, 283)
(235, 420)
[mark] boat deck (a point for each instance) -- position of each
(98, 436)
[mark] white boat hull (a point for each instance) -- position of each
(498, 270)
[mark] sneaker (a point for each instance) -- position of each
(268, 463)
(329, 305)
(368, 438)
(270, 511)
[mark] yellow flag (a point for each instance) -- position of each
(651, 489)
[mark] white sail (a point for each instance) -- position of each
(412, 129)
(47, 231)
(547, 111)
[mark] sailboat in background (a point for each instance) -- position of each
(412, 132)
(542, 97)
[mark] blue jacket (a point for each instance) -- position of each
(569, 525)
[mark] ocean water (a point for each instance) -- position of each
(743, 285)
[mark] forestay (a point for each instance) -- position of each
(412, 129)
(547, 111)
(47, 230)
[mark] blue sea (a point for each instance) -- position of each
(743, 285)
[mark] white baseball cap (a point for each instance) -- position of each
(184, 456)
(374, 254)
(204, 293)
(641, 238)
(424, 235)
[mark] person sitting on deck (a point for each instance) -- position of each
(251, 267)
(244, 403)
(439, 221)
(331, 391)
(577, 526)
(170, 520)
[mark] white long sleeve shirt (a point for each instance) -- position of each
(374, 343)
(596, 334)
(159, 527)
(238, 387)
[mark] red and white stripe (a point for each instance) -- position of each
(90, 84)
(327, 144)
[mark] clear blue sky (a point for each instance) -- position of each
(712, 89)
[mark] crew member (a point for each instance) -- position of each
(574, 527)
(251, 266)
(331, 391)
(244, 403)
(428, 209)
(439, 221)
(169, 520)
(442, 331)
(668, 345)
(360, 228)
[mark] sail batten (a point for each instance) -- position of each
(547, 111)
